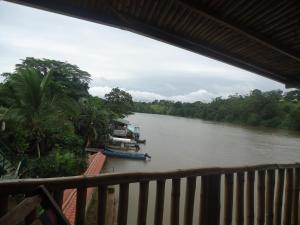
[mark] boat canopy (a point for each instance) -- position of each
(123, 140)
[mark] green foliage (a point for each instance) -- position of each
(48, 116)
(66, 78)
(120, 102)
(58, 163)
(269, 109)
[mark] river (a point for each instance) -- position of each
(181, 143)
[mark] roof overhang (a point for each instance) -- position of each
(259, 36)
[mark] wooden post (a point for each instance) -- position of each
(270, 197)
(210, 200)
(80, 206)
(143, 203)
(278, 197)
(123, 204)
(58, 197)
(261, 198)
(239, 216)
(228, 199)
(189, 200)
(288, 197)
(175, 202)
(296, 189)
(159, 204)
(31, 217)
(102, 199)
(3, 204)
(250, 198)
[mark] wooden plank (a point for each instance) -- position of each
(58, 183)
(270, 197)
(3, 204)
(110, 216)
(228, 199)
(278, 197)
(210, 200)
(58, 197)
(80, 206)
(296, 189)
(250, 198)
(123, 204)
(159, 203)
(19, 213)
(101, 204)
(239, 216)
(143, 203)
(175, 201)
(189, 200)
(261, 198)
(287, 211)
(31, 217)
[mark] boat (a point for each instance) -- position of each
(126, 155)
(124, 144)
(124, 129)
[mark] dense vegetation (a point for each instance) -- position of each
(269, 109)
(48, 117)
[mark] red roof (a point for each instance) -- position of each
(96, 163)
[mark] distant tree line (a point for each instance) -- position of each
(269, 109)
(48, 116)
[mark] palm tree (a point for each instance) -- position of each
(34, 105)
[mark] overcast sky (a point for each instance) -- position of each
(148, 69)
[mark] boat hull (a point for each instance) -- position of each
(125, 155)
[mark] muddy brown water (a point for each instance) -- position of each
(182, 143)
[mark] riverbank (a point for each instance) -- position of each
(273, 109)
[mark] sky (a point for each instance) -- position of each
(146, 68)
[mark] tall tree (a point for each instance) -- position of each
(34, 106)
(119, 102)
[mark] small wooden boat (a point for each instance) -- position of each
(127, 155)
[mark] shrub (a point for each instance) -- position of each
(59, 163)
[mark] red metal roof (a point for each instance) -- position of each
(96, 163)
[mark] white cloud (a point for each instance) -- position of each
(200, 95)
(149, 69)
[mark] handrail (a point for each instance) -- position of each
(276, 186)
(16, 186)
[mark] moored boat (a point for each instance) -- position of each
(127, 155)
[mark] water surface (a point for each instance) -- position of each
(182, 143)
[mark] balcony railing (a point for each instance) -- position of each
(263, 194)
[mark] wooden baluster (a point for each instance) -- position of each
(159, 204)
(270, 197)
(31, 217)
(123, 204)
(288, 197)
(278, 197)
(296, 189)
(175, 202)
(3, 204)
(239, 216)
(189, 200)
(210, 200)
(228, 199)
(58, 197)
(143, 203)
(102, 199)
(261, 198)
(250, 198)
(80, 206)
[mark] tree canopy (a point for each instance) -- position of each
(48, 116)
(269, 109)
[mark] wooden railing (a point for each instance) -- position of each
(263, 194)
